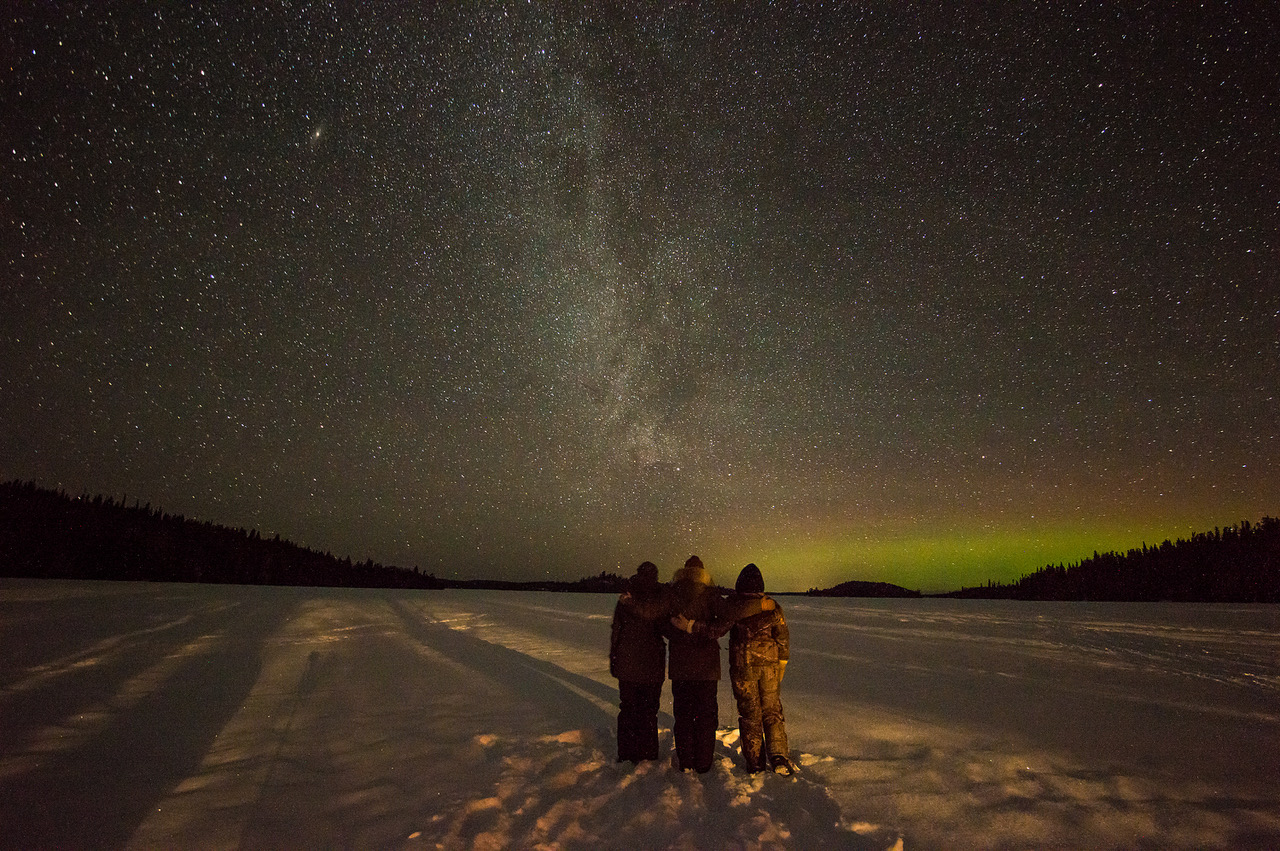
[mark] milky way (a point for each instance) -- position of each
(521, 289)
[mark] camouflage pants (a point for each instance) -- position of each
(760, 721)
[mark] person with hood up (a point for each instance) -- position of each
(695, 668)
(695, 660)
(759, 647)
(638, 659)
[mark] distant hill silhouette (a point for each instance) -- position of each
(862, 589)
(48, 534)
(1238, 564)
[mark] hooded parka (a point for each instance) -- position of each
(759, 647)
(637, 652)
(693, 656)
(637, 657)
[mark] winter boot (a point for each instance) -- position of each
(782, 765)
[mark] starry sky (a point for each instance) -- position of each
(874, 291)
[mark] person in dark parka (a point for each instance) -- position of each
(638, 659)
(695, 658)
(695, 667)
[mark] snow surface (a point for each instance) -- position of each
(186, 716)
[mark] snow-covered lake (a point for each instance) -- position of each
(180, 716)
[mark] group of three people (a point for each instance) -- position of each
(685, 620)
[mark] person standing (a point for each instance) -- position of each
(759, 647)
(694, 667)
(638, 659)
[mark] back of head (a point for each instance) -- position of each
(750, 581)
(693, 573)
(645, 578)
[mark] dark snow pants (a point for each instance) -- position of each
(638, 720)
(697, 716)
(760, 721)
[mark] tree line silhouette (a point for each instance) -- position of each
(1238, 564)
(48, 534)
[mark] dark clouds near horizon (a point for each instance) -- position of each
(876, 291)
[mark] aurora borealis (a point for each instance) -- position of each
(853, 291)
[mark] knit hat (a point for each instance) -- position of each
(750, 581)
(693, 561)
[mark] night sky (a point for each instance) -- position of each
(871, 291)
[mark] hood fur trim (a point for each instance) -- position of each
(696, 574)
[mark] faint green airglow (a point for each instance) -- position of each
(946, 562)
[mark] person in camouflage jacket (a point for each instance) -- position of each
(759, 647)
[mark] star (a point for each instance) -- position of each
(552, 290)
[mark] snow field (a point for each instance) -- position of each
(147, 716)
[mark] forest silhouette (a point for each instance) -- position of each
(49, 534)
(1238, 564)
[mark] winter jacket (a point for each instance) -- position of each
(729, 611)
(759, 640)
(693, 656)
(637, 652)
